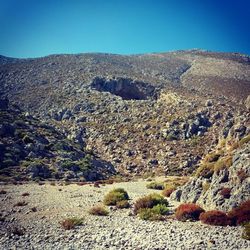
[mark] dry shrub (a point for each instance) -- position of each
(149, 201)
(71, 223)
(122, 204)
(241, 214)
(98, 210)
(225, 192)
(188, 211)
(172, 184)
(216, 218)
(168, 191)
(115, 196)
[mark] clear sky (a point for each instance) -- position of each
(33, 28)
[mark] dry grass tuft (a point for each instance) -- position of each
(98, 210)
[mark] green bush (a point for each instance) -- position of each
(114, 196)
(149, 201)
(155, 213)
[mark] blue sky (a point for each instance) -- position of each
(33, 28)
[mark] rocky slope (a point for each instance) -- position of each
(31, 149)
(222, 180)
(147, 113)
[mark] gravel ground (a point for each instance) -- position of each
(118, 230)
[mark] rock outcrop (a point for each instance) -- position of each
(225, 188)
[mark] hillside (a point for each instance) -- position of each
(31, 149)
(147, 113)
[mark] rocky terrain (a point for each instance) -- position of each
(223, 179)
(147, 113)
(118, 230)
(81, 118)
(32, 150)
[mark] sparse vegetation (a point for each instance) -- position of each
(98, 210)
(71, 223)
(122, 204)
(115, 196)
(168, 191)
(188, 211)
(207, 168)
(240, 214)
(155, 185)
(216, 218)
(172, 184)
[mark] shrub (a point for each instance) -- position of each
(246, 231)
(149, 201)
(115, 196)
(188, 211)
(155, 213)
(21, 204)
(240, 214)
(215, 217)
(225, 192)
(149, 214)
(71, 223)
(155, 185)
(122, 204)
(98, 210)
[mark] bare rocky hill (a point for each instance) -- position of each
(152, 113)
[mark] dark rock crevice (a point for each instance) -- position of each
(126, 88)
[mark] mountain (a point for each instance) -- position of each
(148, 113)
